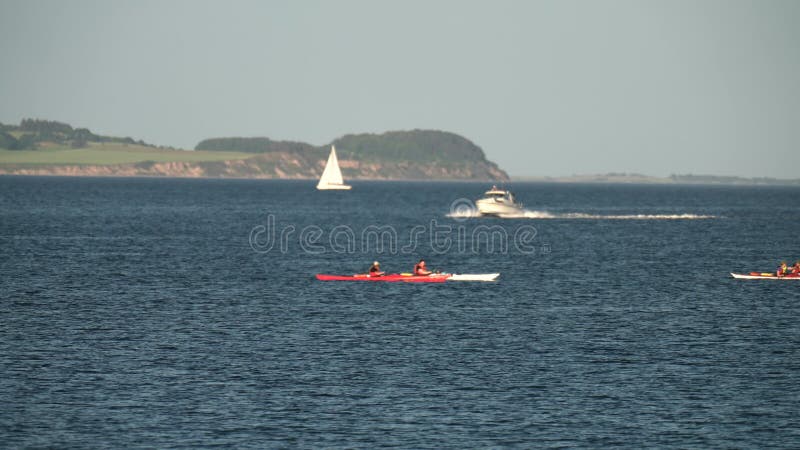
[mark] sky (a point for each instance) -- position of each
(546, 88)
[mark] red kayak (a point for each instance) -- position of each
(391, 277)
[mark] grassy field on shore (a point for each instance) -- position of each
(109, 154)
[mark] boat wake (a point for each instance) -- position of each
(529, 214)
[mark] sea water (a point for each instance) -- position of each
(184, 313)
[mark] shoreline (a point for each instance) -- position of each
(205, 177)
(543, 180)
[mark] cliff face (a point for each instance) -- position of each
(273, 165)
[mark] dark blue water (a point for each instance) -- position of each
(136, 313)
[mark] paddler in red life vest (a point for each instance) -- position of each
(420, 269)
(375, 270)
(796, 268)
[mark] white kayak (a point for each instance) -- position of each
(763, 276)
(473, 277)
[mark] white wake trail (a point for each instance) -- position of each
(532, 214)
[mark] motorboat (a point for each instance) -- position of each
(498, 202)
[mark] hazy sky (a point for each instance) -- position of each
(544, 87)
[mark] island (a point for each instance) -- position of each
(637, 178)
(44, 147)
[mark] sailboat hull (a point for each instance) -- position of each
(334, 187)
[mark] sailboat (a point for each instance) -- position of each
(332, 176)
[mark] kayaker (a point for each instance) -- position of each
(375, 269)
(796, 268)
(420, 269)
(783, 269)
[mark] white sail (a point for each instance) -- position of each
(332, 176)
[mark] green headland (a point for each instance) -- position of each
(43, 147)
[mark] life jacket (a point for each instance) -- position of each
(417, 268)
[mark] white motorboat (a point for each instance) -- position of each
(331, 178)
(499, 202)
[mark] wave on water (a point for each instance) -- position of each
(529, 214)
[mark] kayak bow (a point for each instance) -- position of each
(474, 277)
